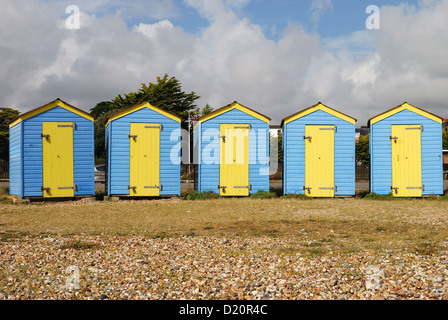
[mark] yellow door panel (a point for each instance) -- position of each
(144, 177)
(234, 160)
(319, 161)
(406, 161)
(57, 166)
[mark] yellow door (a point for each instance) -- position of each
(57, 166)
(234, 165)
(319, 161)
(144, 175)
(406, 161)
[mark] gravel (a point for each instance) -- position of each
(200, 268)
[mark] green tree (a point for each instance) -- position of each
(362, 150)
(101, 109)
(6, 115)
(206, 110)
(445, 140)
(166, 94)
(99, 127)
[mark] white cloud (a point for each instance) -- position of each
(318, 8)
(361, 74)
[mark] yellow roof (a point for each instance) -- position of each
(232, 106)
(140, 106)
(404, 106)
(315, 108)
(56, 103)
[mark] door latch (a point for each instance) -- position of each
(394, 138)
(394, 189)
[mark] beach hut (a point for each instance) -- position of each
(232, 151)
(319, 153)
(52, 152)
(143, 152)
(406, 152)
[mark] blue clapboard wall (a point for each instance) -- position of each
(118, 150)
(26, 175)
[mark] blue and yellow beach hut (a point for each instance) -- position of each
(406, 152)
(232, 151)
(319, 153)
(52, 152)
(143, 152)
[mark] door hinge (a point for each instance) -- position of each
(44, 189)
(130, 136)
(243, 187)
(132, 188)
(155, 127)
(335, 129)
(335, 188)
(222, 187)
(67, 188)
(153, 187)
(307, 138)
(416, 188)
(243, 127)
(46, 136)
(416, 128)
(67, 126)
(307, 189)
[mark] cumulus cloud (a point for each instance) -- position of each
(318, 8)
(361, 74)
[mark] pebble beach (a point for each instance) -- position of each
(207, 268)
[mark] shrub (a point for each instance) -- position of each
(99, 195)
(376, 196)
(196, 195)
(261, 194)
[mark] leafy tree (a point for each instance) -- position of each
(166, 94)
(99, 127)
(101, 109)
(206, 110)
(362, 150)
(6, 115)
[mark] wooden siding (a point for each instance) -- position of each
(118, 152)
(381, 152)
(206, 139)
(294, 153)
(15, 161)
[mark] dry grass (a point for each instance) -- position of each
(317, 226)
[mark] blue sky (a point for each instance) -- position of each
(342, 18)
(276, 57)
